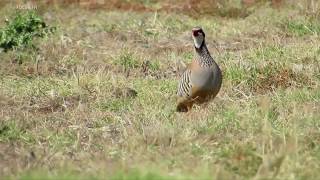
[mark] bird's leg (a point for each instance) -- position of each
(195, 98)
(190, 104)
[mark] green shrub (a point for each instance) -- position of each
(127, 60)
(20, 31)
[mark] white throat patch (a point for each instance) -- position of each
(198, 41)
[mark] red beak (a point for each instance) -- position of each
(195, 33)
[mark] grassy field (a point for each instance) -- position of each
(96, 98)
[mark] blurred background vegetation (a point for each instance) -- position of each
(87, 90)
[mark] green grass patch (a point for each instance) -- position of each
(301, 27)
(132, 174)
(63, 175)
(10, 131)
(138, 175)
(116, 105)
(268, 53)
(127, 60)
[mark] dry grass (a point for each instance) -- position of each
(98, 98)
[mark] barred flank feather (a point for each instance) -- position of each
(184, 88)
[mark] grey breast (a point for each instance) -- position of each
(206, 79)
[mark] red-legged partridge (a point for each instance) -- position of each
(201, 81)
